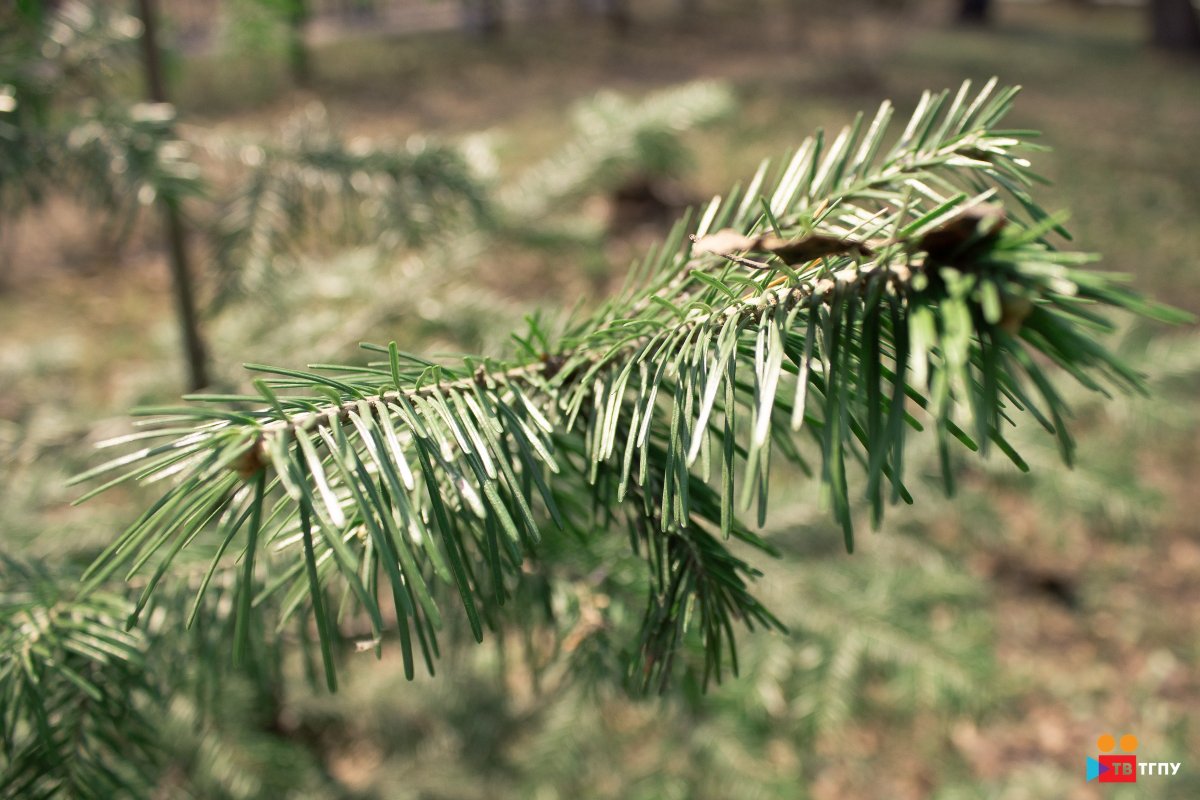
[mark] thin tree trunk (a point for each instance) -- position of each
(691, 12)
(298, 60)
(174, 229)
(483, 17)
(1173, 25)
(537, 10)
(974, 12)
(493, 17)
(618, 16)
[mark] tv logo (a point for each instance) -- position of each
(1110, 768)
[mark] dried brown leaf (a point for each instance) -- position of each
(724, 242)
(811, 247)
(974, 226)
(791, 251)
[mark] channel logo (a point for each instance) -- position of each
(1112, 768)
(1124, 768)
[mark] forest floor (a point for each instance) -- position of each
(1088, 581)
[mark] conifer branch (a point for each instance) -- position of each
(613, 138)
(314, 185)
(93, 711)
(73, 718)
(891, 290)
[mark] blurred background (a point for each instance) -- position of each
(430, 171)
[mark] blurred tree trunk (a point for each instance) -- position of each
(363, 10)
(173, 225)
(483, 17)
(616, 12)
(298, 60)
(1173, 25)
(974, 12)
(537, 10)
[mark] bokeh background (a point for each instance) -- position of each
(972, 648)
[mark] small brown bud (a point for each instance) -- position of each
(251, 462)
(552, 365)
(1014, 310)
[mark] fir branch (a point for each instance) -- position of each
(75, 717)
(93, 711)
(615, 138)
(892, 299)
(313, 185)
(48, 60)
